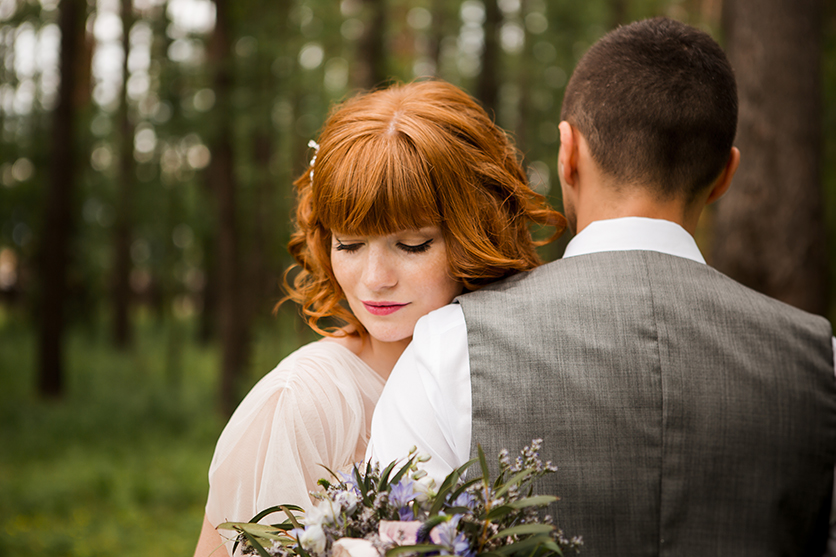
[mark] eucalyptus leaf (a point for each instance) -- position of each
(403, 470)
(524, 545)
(409, 549)
(524, 529)
(483, 464)
(515, 480)
(260, 530)
(383, 484)
(534, 501)
(275, 509)
(446, 487)
(499, 512)
(257, 546)
(361, 485)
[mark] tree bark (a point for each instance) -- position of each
(487, 89)
(232, 313)
(121, 294)
(54, 249)
(769, 228)
(370, 70)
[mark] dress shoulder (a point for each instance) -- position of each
(313, 409)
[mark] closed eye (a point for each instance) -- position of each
(420, 248)
(347, 247)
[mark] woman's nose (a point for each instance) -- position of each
(380, 272)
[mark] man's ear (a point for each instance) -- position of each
(567, 156)
(721, 185)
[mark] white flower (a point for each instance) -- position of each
(313, 539)
(323, 513)
(348, 501)
(353, 547)
(425, 488)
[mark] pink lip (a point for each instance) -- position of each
(382, 308)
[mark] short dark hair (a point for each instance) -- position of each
(656, 101)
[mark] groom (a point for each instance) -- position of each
(688, 414)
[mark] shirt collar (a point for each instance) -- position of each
(634, 233)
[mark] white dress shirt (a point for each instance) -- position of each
(427, 400)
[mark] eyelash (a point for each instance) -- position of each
(420, 248)
(347, 247)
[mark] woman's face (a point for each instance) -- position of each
(391, 281)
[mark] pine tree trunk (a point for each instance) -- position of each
(371, 60)
(54, 249)
(122, 229)
(487, 89)
(769, 228)
(232, 313)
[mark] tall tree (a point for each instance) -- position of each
(54, 249)
(487, 89)
(769, 229)
(124, 196)
(232, 312)
(371, 59)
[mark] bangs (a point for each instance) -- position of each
(374, 186)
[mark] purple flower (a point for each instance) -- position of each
(400, 495)
(350, 481)
(464, 499)
(447, 535)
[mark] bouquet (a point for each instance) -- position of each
(398, 511)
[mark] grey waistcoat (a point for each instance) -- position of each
(688, 415)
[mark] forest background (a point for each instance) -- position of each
(145, 201)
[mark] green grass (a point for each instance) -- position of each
(117, 467)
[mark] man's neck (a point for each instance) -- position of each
(606, 203)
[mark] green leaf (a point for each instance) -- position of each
(383, 484)
(516, 479)
(499, 512)
(524, 529)
(361, 485)
(524, 545)
(446, 486)
(534, 501)
(461, 469)
(483, 464)
(409, 549)
(403, 470)
(275, 509)
(367, 479)
(258, 547)
(260, 530)
(553, 547)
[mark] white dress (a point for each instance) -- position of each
(314, 408)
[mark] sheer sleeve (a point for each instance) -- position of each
(314, 409)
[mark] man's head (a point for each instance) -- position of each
(656, 102)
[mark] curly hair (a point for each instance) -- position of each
(402, 158)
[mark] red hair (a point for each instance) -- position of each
(406, 157)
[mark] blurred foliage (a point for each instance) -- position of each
(292, 60)
(119, 467)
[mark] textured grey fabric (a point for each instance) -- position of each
(688, 415)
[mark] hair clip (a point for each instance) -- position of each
(315, 146)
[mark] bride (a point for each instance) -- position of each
(413, 196)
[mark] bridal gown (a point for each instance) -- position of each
(314, 408)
